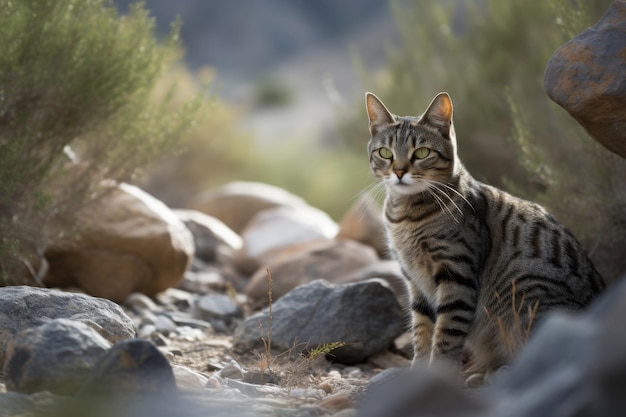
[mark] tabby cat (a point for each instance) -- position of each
(481, 266)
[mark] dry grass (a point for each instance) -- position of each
(287, 368)
(515, 330)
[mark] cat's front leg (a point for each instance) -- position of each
(423, 323)
(455, 312)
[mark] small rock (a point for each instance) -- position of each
(210, 234)
(190, 333)
(232, 370)
(131, 367)
(189, 379)
(146, 331)
(219, 306)
(56, 357)
(140, 301)
(164, 324)
(307, 393)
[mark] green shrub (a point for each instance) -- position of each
(75, 74)
(509, 133)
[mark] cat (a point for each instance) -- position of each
(481, 266)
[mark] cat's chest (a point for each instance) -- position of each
(411, 249)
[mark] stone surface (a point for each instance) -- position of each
(331, 260)
(389, 270)
(56, 357)
(131, 367)
(25, 307)
(416, 393)
(237, 202)
(586, 77)
(363, 222)
(365, 316)
(574, 365)
(216, 306)
(128, 242)
(213, 239)
(276, 228)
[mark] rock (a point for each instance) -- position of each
(273, 229)
(388, 270)
(331, 260)
(211, 236)
(13, 404)
(237, 202)
(56, 357)
(232, 370)
(574, 365)
(216, 306)
(131, 367)
(127, 242)
(25, 307)
(365, 316)
(189, 379)
(363, 222)
(586, 77)
(418, 392)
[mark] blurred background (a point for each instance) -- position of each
(272, 91)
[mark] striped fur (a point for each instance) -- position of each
(481, 266)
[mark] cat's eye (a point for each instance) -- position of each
(421, 153)
(385, 153)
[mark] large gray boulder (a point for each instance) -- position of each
(586, 77)
(365, 316)
(574, 365)
(24, 307)
(56, 357)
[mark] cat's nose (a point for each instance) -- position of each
(399, 173)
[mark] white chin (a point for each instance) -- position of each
(405, 188)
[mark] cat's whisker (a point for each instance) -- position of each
(375, 190)
(448, 197)
(367, 190)
(456, 192)
(442, 205)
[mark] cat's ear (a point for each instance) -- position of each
(377, 113)
(439, 113)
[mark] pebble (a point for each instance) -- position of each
(146, 331)
(216, 306)
(141, 301)
(189, 379)
(317, 394)
(232, 370)
(190, 333)
(164, 324)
